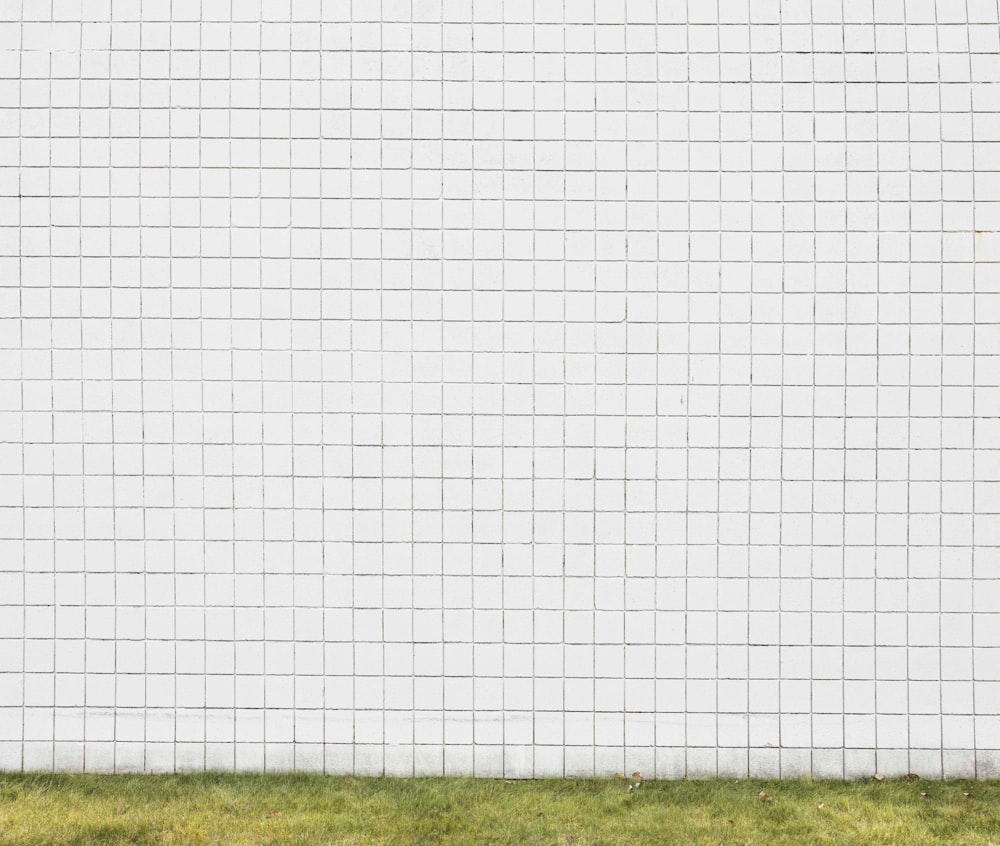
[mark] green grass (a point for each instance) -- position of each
(74, 810)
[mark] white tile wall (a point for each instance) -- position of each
(524, 388)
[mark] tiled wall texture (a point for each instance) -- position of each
(537, 387)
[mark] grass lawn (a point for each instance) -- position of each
(73, 810)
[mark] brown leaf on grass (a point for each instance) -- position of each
(764, 797)
(272, 813)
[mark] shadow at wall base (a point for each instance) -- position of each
(490, 760)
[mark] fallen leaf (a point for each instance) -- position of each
(271, 814)
(879, 776)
